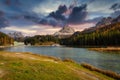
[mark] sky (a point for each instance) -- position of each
(39, 17)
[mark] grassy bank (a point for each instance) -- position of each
(106, 49)
(28, 66)
(106, 72)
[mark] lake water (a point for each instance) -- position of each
(102, 60)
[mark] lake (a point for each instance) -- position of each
(102, 60)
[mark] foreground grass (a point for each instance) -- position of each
(27, 66)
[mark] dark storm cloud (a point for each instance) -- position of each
(52, 21)
(58, 15)
(55, 18)
(3, 21)
(115, 6)
(78, 14)
(22, 5)
(31, 2)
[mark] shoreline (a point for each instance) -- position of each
(35, 57)
(115, 49)
(105, 72)
(5, 46)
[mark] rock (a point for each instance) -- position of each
(104, 22)
(18, 36)
(64, 32)
(116, 19)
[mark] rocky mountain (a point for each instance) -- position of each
(116, 19)
(65, 32)
(18, 36)
(108, 35)
(103, 23)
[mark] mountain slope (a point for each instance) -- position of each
(104, 23)
(64, 32)
(102, 36)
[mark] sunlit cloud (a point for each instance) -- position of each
(83, 26)
(94, 8)
(33, 30)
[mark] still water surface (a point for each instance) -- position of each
(102, 60)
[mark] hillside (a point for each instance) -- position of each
(108, 35)
(27, 66)
(5, 40)
(103, 23)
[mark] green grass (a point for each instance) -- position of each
(15, 68)
(35, 70)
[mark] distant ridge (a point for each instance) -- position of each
(105, 22)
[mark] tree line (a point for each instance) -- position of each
(40, 39)
(105, 36)
(5, 40)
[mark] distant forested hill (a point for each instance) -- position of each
(5, 40)
(41, 40)
(108, 35)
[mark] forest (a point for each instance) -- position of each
(5, 40)
(104, 36)
(41, 40)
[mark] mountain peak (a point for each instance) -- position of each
(65, 32)
(104, 21)
(67, 29)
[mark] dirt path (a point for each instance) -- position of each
(29, 56)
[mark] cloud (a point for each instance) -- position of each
(55, 18)
(52, 14)
(23, 30)
(101, 8)
(42, 29)
(82, 26)
(78, 14)
(32, 30)
(115, 6)
(3, 21)
(64, 15)
(115, 14)
(58, 15)
(52, 21)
